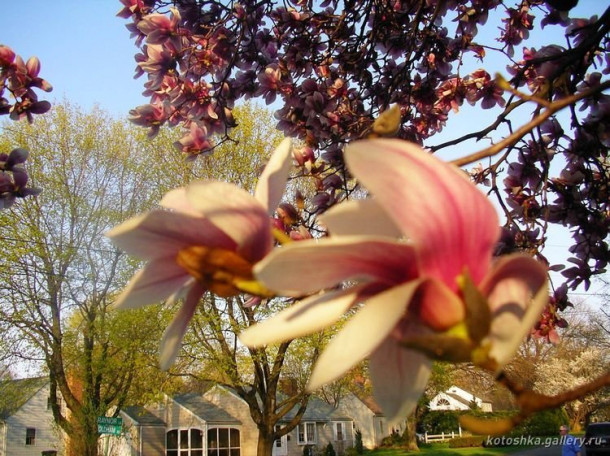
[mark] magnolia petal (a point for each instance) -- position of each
(362, 334)
(360, 217)
(308, 266)
(177, 200)
(155, 282)
(310, 315)
(272, 182)
(399, 377)
(517, 292)
(162, 233)
(174, 333)
(432, 202)
(236, 213)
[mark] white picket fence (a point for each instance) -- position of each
(442, 436)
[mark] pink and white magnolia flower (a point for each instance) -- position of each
(418, 254)
(207, 238)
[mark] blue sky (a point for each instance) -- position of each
(87, 55)
(84, 49)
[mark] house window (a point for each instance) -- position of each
(339, 430)
(306, 433)
(278, 442)
(30, 436)
(184, 442)
(442, 401)
(223, 442)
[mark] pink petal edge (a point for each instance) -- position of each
(272, 181)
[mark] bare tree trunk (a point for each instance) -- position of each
(265, 444)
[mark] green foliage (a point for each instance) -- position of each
(438, 421)
(329, 450)
(466, 442)
(395, 439)
(358, 445)
(542, 423)
(59, 275)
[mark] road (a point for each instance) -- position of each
(554, 450)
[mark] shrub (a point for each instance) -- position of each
(358, 445)
(330, 450)
(307, 450)
(437, 421)
(546, 422)
(393, 440)
(466, 442)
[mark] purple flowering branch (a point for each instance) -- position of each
(14, 178)
(334, 67)
(19, 79)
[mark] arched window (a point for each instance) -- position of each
(184, 442)
(443, 402)
(223, 442)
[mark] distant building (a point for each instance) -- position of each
(456, 398)
(27, 427)
(215, 423)
(218, 422)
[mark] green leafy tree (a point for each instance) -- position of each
(59, 274)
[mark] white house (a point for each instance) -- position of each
(368, 419)
(218, 421)
(456, 398)
(26, 420)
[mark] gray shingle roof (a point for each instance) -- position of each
(15, 393)
(142, 416)
(204, 409)
(317, 410)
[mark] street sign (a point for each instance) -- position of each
(109, 425)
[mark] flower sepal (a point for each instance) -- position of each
(441, 347)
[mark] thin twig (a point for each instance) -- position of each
(538, 120)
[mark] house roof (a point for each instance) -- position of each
(15, 393)
(317, 410)
(459, 398)
(142, 416)
(204, 409)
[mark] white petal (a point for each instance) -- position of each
(517, 292)
(509, 330)
(360, 217)
(362, 334)
(308, 266)
(310, 315)
(272, 182)
(173, 335)
(155, 282)
(399, 377)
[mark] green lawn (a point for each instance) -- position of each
(444, 450)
